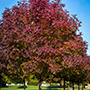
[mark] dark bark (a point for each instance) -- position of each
(64, 83)
(24, 84)
(0, 82)
(82, 86)
(40, 83)
(50, 86)
(73, 86)
(78, 87)
(60, 83)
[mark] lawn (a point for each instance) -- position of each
(31, 87)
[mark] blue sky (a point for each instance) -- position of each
(82, 9)
(79, 7)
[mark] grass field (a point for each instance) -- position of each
(31, 87)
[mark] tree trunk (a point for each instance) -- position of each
(73, 86)
(78, 87)
(24, 84)
(50, 86)
(64, 83)
(82, 86)
(40, 83)
(61, 83)
(0, 82)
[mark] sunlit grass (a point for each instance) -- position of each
(32, 87)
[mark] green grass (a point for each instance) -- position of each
(31, 87)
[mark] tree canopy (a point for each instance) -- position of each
(40, 37)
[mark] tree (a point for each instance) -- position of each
(38, 35)
(13, 46)
(3, 64)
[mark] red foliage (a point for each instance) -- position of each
(38, 32)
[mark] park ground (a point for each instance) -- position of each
(32, 87)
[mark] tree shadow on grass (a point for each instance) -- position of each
(55, 88)
(52, 88)
(46, 89)
(20, 87)
(4, 86)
